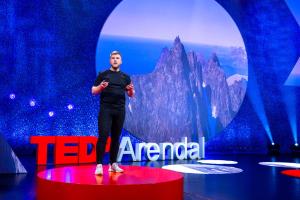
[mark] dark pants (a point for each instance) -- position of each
(110, 120)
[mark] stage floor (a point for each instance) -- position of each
(255, 182)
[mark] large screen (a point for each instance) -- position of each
(187, 61)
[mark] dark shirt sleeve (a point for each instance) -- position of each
(99, 79)
(127, 80)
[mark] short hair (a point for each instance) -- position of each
(115, 53)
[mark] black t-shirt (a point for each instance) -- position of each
(114, 94)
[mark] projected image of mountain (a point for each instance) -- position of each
(185, 93)
(187, 61)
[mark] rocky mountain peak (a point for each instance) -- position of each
(215, 59)
(177, 40)
(187, 92)
(178, 48)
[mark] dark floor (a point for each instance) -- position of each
(255, 182)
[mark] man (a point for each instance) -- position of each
(111, 85)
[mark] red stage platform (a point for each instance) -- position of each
(79, 182)
(292, 172)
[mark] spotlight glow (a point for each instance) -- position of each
(218, 162)
(202, 169)
(12, 96)
(290, 100)
(182, 169)
(257, 104)
(280, 164)
(32, 103)
(296, 144)
(51, 114)
(70, 106)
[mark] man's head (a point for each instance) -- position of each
(115, 60)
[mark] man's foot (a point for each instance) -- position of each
(99, 170)
(115, 168)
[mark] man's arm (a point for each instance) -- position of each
(130, 90)
(98, 89)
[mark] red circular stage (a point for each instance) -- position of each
(292, 172)
(79, 182)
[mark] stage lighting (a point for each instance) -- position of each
(32, 103)
(274, 149)
(12, 96)
(70, 106)
(51, 114)
(295, 149)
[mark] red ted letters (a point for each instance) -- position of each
(67, 149)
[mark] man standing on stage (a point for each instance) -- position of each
(111, 85)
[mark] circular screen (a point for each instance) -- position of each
(187, 61)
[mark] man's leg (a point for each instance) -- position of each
(104, 125)
(116, 129)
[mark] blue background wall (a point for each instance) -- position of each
(47, 52)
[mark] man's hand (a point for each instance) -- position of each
(99, 88)
(130, 90)
(103, 85)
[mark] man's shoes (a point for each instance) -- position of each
(99, 170)
(115, 168)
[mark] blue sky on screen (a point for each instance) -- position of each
(195, 21)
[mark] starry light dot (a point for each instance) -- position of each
(70, 106)
(12, 96)
(51, 114)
